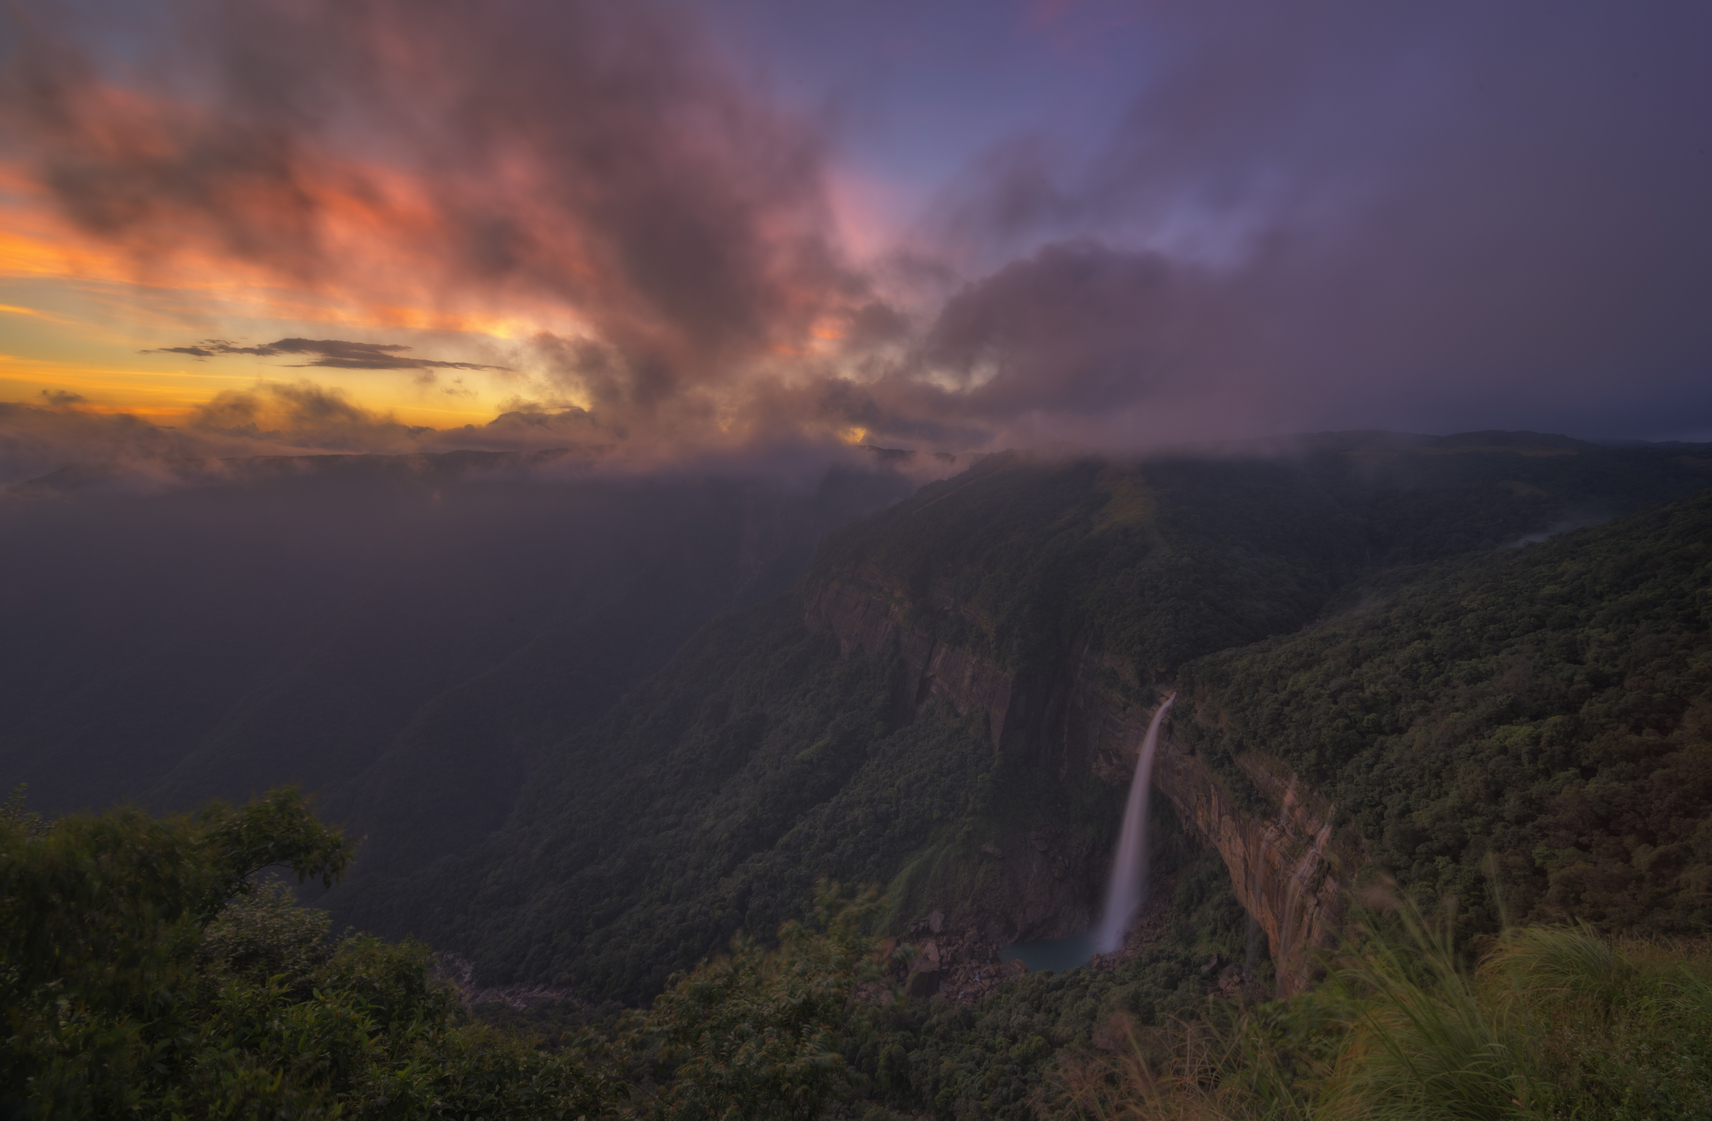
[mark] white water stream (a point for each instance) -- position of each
(1128, 888)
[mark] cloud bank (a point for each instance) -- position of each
(1327, 215)
(287, 419)
(335, 354)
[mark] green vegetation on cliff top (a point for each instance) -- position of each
(1542, 713)
(144, 972)
(1535, 718)
(1164, 560)
(712, 796)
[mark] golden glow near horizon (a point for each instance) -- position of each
(45, 353)
(79, 319)
(84, 322)
(353, 248)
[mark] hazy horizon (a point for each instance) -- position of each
(719, 231)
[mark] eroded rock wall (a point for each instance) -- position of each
(1288, 869)
(872, 616)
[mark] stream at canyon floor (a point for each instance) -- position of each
(1055, 954)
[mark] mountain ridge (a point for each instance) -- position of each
(990, 601)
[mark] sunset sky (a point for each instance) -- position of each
(705, 227)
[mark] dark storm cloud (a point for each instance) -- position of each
(1318, 215)
(330, 353)
(1077, 327)
(212, 348)
(36, 439)
(1438, 217)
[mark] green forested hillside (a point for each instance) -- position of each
(1170, 558)
(712, 799)
(1540, 704)
(713, 795)
(1535, 717)
(144, 971)
(1548, 707)
(1161, 561)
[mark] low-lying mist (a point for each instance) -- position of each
(214, 628)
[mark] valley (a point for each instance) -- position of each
(1060, 560)
(951, 702)
(1385, 691)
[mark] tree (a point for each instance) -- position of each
(755, 1034)
(142, 973)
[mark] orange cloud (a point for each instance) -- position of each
(613, 182)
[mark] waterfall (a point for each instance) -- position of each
(1128, 888)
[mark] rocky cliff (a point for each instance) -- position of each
(1289, 872)
(1089, 714)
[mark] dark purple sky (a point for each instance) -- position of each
(1450, 215)
(956, 225)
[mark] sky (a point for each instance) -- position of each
(691, 229)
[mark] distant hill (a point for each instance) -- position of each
(590, 727)
(945, 704)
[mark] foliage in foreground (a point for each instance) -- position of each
(143, 974)
(1556, 1022)
(756, 1033)
(993, 1060)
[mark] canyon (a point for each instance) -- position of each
(1290, 866)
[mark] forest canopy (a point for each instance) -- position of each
(149, 973)
(1528, 730)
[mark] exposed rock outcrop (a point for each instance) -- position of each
(459, 974)
(1287, 867)
(1043, 883)
(960, 965)
(871, 616)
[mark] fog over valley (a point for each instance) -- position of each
(1052, 559)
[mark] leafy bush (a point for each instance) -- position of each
(1556, 1022)
(125, 993)
(143, 975)
(754, 1034)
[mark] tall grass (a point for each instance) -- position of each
(1555, 1023)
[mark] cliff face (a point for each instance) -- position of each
(1089, 715)
(1287, 871)
(869, 616)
